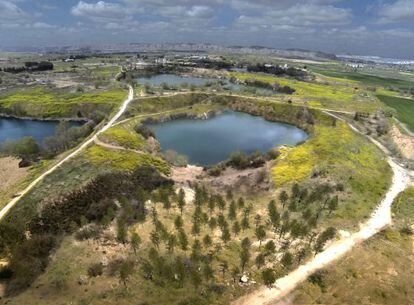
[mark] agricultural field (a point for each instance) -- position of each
(404, 109)
(380, 78)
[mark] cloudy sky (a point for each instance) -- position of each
(374, 27)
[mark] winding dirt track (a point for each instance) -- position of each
(85, 144)
(380, 219)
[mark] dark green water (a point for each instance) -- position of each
(207, 142)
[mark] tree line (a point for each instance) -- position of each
(30, 66)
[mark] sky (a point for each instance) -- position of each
(361, 27)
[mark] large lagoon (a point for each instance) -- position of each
(207, 142)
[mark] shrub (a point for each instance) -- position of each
(216, 170)
(269, 277)
(29, 259)
(176, 159)
(95, 270)
(145, 131)
(88, 232)
(24, 148)
(6, 273)
(238, 160)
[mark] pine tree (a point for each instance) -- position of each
(283, 197)
(260, 261)
(269, 277)
(245, 223)
(240, 203)
(178, 223)
(333, 204)
(171, 243)
(287, 260)
(196, 250)
(235, 273)
(183, 240)
(212, 223)
(257, 220)
(232, 210)
(224, 266)
(125, 272)
(135, 241)
(236, 228)
(245, 253)
(211, 204)
(225, 235)
(260, 234)
(221, 203)
(274, 215)
(270, 247)
(181, 200)
(229, 195)
(207, 241)
(121, 232)
(195, 230)
(208, 272)
(155, 239)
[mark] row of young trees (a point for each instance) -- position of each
(176, 257)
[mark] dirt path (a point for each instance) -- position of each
(380, 219)
(85, 144)
(97, 141)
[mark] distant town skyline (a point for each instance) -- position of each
(382, 28)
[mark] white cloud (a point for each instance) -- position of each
(10, 11)
(100, 10)
(297, 18)
(402, 10)
(202, 12)
(43, 25)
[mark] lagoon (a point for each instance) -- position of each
(207, 142)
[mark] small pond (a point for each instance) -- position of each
(172, 79)
(15, 129)
(176, 80)
(207, 142)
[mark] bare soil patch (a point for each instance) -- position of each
(405, 143)
(251, 180)
(10, 173)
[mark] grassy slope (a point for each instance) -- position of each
(123, 160)
(329, 93)
(43, 102)
(94, 161)
(377, 272)
(123, 137)
(344, 157)
(404, 108)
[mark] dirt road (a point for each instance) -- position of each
(85, 144)
(380, 219)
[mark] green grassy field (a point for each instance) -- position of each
(367, 79)
(327, 93)
(42, 102)
(404, 108)
(347, 159)
(123, 137)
